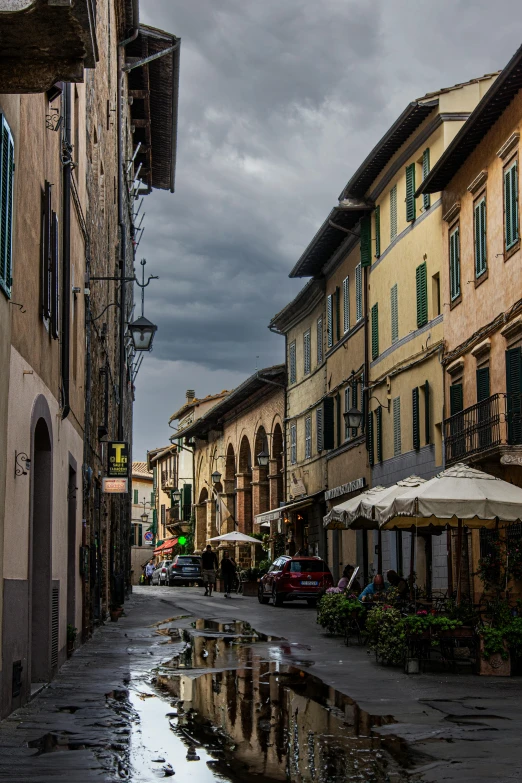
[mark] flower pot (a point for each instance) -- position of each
(115, 616)
(249, 588)
(495, 665)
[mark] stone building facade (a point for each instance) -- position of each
(142, 502)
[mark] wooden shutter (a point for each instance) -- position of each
(328, 423)
(319, 428)
(154, 521)
(455, 264)
(482, 384)
(306, 351)
(397, 442)
(338, 430)
(366, 241)
(377, 231)
(378, 421)
(46, 251)
(354, 404)
(427, 411)
(319, 340)
(415, 418)
(394, 313)
(410, 192)
(55, 279)
(369, 438)
(6, 205)
(337, 313)
(480, 237)
(187, 502)
(422, 295)
(293, 444)
(140, 535)
(329, 319)
(393, 213)
(346, 304)
(426, 200)
(511, 205)
(358, 293)
(456, 399)
(292, 362)
(375, 331)
(514, 394)
(346, 409)
(308, 437)
(136, 497)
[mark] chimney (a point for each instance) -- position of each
(191, 395)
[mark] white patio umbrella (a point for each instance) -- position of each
(236, 537)
(374, 501)
(338, 516)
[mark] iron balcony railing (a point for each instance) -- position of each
(492, 422)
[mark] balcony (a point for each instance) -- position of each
(168, 480)
(46, 41)
(490, 428)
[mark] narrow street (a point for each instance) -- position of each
(116, 709)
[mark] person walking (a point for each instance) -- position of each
(149, 570)
(209, 564)
(228, 572)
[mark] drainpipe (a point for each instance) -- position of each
(66, 253)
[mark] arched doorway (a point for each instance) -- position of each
(261, 489)
(277, 494)
(44, 644)
(244, 487)
(230, 483)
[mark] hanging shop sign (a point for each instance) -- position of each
(297, 485)
(115, 486)
(118, 460)
(345, 489)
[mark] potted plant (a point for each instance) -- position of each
(386, 634)
(249, 579)
(335, 609)
(115, 612)
(494, 658)
(72, 633)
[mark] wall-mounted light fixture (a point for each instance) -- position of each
(21, 470)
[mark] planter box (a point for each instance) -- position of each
(457, 633)
(250, 588)
(495, 666)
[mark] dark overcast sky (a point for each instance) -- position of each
(279, 102)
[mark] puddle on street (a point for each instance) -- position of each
(233, 705)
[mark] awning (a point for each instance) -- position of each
(276, 513)
(167, 545)
(268, 516)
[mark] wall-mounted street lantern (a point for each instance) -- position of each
(263, 458)
(176, 495)
(144, 517)
(216, 477)
(353, 418)
(142, 333)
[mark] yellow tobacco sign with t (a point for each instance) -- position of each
(118, 466)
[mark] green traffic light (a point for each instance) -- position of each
(182, 540)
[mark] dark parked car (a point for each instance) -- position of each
(295, 579)
(184, 570)
(160, 575)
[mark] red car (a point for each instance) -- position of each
(295, 579)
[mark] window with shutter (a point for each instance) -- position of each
(511, 204)
(140, 534)
(393, 213)
(375, 331)
(136, 497)
(338, 428)
(308, 437)
(293, 444)
(378, 422)
(328, 423)
(329, 319)
(347, 429)
(426, 200)
(377, 231)
(480, 237)
(346, 304)
(358, 293)
(6, 206)
(152, 498)
(369, 438)
(427, 412)
(366, 241)
(422, 295)
(415, 417)
(319, 428)
(55, 279)
(47, 215)
(514, 394)
(394, 313)
(292, 362)
(456, 398)
(354, 404)
(410, 192)
(337, 300)
(482, 383)
(307, 352)
(397, 445)
(454, 240)
(319, 340)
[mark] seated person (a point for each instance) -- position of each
(374, 589)
(399, 583)
(345, 578)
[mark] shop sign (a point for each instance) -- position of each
(115, 486)
(118, 461)
(297, 487)
(345, 489)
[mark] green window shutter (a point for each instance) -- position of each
(6, 206)
(410, 192)
(154, 480)
(511, 205)
(426, 201)
(136, 497)
(397, 439)
(375, 331)
(415, 418)
(377, 231)
(366, 241)
(393, 213)
(369, 438)
(427, 411)
(422, 295)
(292, 362)
(514, 394)
(187, 502)
(140, 535)
(482, 384)
(455, 264)
(328, 423)
(456, 399)
(347, 430)
(480, 237)
(329, 319)
(394, 309)
(154, 521)
(346, 304)
(354, 404)
(358, 293)
(378, 420)
(152, 498)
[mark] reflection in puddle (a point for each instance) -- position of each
(228, 711)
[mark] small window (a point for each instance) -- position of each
(319, 428)
(454, 253)
(394, 301)
(480, 237)
(320, 340)
(397, 445)
(346, 304)
(329, 319)
(375, 331)
(511, 204)
(293, 444)
(307, 352)
(426, 201)
(421, 282)
(292, 362)
(358, 293)
(308, 437)
(393, 213)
